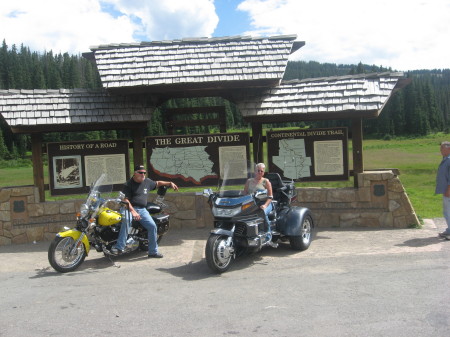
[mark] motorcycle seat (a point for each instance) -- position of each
(153, 208)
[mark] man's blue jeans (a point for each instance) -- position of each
(146, 221)
(446, 209)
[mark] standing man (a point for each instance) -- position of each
(136, 196)
(443, 184)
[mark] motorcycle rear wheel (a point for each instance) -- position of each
(303, 241)
(217, 255)
(59, 254)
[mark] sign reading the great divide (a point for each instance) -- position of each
(309, 154)
(194, 160)
(74, 166)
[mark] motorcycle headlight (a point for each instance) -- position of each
(226, 212)
(84, 210)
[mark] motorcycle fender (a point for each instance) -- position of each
(290, 220)
(220, 231)
(74, 234)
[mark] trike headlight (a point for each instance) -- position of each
(226, 212)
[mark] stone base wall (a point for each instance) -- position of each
(24, 219)
(380, 201)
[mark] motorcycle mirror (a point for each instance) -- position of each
(207, 192)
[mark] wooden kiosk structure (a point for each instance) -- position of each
(248, 71)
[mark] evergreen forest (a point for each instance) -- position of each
(423, 107)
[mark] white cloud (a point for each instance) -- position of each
(75, 25)
(402, 34)
(171, 19)
(62, 26)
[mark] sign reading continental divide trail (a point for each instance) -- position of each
(194, 160)
(309, 154)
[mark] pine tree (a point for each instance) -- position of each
(25, 68)
(38, 78)
(395, 109)
(4, 153)
(3, 63)
(66, 71)
(360, 68)
(435, 116)
(74, 73)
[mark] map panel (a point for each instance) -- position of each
(193, 160)
(309, 154)
(189, 162)
(292, 159)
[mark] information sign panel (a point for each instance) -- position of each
(74, 166)
(309, 154)
(195, 160)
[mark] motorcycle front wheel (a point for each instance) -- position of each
(303, 241)
(217, 253)
(62, 257)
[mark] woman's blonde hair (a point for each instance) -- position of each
(261, 165)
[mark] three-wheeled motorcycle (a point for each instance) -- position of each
(240, 225)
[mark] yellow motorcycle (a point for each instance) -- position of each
(98, 225)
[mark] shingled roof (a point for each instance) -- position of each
(71, 110)
(333, 97)
(245, 70)
(194, 63)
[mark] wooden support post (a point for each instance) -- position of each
(222, 121)
(138, 149)
(38, 164)
(357, 143)
(169, 124)
(257, 137)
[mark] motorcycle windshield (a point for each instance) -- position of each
(234, 175)
(101, 188)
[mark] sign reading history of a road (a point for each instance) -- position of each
(195, 160)
(74, 166)
(309, 154)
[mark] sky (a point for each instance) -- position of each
(400, 34)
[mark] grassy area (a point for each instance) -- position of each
(417, 159)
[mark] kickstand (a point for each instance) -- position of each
(113, 262)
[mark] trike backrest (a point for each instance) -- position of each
(277, 184)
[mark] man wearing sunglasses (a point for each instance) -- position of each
(136, 195)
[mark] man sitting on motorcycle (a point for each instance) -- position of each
(136, 196)
(259, 183)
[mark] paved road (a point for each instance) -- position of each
(349, 283)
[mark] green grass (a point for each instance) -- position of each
(417, 159)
